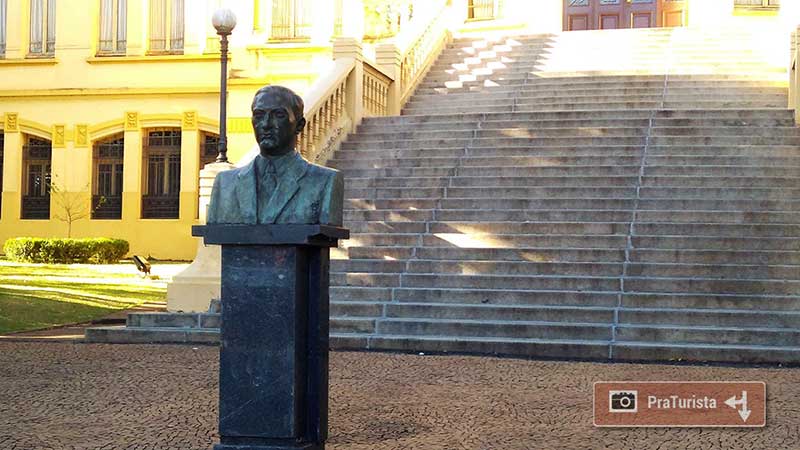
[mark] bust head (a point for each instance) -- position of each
(277, 119)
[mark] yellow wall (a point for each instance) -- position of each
(78, 90)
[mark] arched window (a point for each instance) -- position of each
(162, 174)
(107, 172)
(36, 161)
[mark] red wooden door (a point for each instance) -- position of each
(578, 15)
(612, 14)
(673, 13)
(642, 14)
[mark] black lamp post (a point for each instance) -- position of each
(224, 22)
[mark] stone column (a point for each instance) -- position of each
(132, 170)
(190, 166)
(388, 58)
(354, 105)
(12, 168)
(193, 289)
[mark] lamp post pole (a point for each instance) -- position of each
(224, 22)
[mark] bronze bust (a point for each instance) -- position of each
(279, 186)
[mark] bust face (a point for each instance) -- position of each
(274, 124)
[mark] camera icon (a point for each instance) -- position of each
(622, 401)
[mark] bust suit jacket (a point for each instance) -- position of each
(306, 194)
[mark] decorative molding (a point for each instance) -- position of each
(11, 123)
(131, 121)
(81, 135)
(189, 122)
(59, 136)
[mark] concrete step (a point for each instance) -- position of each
(750, 354)
(486, 328)
(557, 283)
(553, 348)
(682, 256)
(482, 312)
(423, 266)
(715, 243)
(709, 286)
(712, 335)
(731, 271)
(710, 318)
(709, 302)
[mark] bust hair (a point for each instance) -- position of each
(287, 95)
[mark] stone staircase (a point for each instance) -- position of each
(617, 195)
(626, 194)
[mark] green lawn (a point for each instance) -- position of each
(34, 296)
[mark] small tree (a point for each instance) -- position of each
(72, 206)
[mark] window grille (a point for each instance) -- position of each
(757, 3)
(43, 27)
(36, 166)
(162, 165)
(108, 173)
(3, 19)
(113, 27)
(480, 10)
(291, 19)
(166, 26)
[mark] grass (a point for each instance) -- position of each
(35, 296)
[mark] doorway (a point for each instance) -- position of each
(617, 14)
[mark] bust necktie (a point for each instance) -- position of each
(267, 187)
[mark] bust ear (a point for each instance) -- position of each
(300, 125)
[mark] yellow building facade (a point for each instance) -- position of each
(110, 107)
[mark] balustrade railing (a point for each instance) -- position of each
(794, 75)
(419, 56)
(376, 91)
(326, 121)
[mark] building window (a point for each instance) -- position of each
(162, 174)
(36, 171)
(480, 10)
(338, 17)
(209, 150)
(291, 20)
(757, 3)
(113, 27)
(107, 178)
(43, 27)
(166, 26)
(3, 16)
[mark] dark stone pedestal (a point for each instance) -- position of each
(273, 380)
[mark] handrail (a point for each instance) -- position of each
(327, 121)
(794, 75)
(417, 58)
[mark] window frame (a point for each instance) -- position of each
(118, 17)
(168, 19)
(47, 39)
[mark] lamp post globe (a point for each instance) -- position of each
(224, 22)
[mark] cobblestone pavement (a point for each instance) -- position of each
(79, 396)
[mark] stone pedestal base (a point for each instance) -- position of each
(273, 375)
(276, 446)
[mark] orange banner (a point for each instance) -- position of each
(680, 404)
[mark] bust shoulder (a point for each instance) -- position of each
(318, 171)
